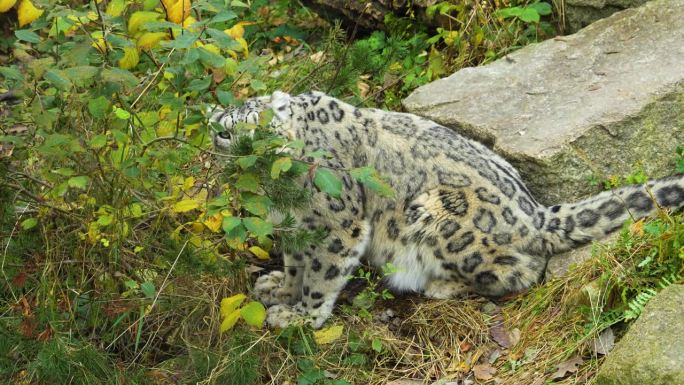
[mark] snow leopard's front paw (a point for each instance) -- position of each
(270, 289)
(281, 316)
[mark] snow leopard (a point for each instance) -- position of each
(462, 221)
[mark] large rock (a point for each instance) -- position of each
(593, 104)
(580, 13)
(652, 351)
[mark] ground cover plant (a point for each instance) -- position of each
(128, 247)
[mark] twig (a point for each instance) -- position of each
(102, 26)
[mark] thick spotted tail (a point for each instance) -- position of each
(573, 224)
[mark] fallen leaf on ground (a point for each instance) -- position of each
(567, 367)
(484, 372)
(493, 356)
(328, 335)
(502, 336)
(604, 343)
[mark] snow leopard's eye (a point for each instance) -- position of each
(225, 135)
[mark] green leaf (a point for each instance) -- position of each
(105, 220)
(254, 314)
(376, 344)
(248, 182)
(509, 12)
(258, 85)
(29, 223)
(11, 73)
(98, 141)
(296, 144)
(328, 182)
(211, 59)
(64, 171)
(225, 98)
(369, 177)
(229, 223)
(280, 165)
(238, 234)
(200, 84)
(99, 107)
(148, 289)
(222, 40)
(81, 75)
(258, 226)
(28, 36)
(136, 210)
(58, 79)
(121, 76)
(222, 16)
(257, 204)
(121, 113)
(80, 182)
(246, 162)
(529, 15)
(192, 55)
(186, 40)
(541, 8)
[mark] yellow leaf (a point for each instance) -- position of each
(189, 21)
(243, 44)
(130, 58)
(259, 252)
(214, 222)
(5, 5)
(150, 40)
(235, 244)
(229, 304)
(328, 335)
(82, 20)
(229, 321)
(175, 234)
(188, 183)
(185, 205)
(99, 41)
(196, 241)
(27, 12)
(212, 48)
(116, 7)
(238, 30)
(196, 227)
(177, 11)
(138, 19)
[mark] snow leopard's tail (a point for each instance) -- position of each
(572, 224)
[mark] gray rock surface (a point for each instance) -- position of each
(652, 351)
(580, 13)
(594, 104)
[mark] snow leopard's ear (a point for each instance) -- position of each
(280, 104)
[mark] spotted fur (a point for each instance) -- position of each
(462, 221)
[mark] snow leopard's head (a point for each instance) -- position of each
(225, 123)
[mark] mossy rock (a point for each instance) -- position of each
(607, 101)
(652, 351)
